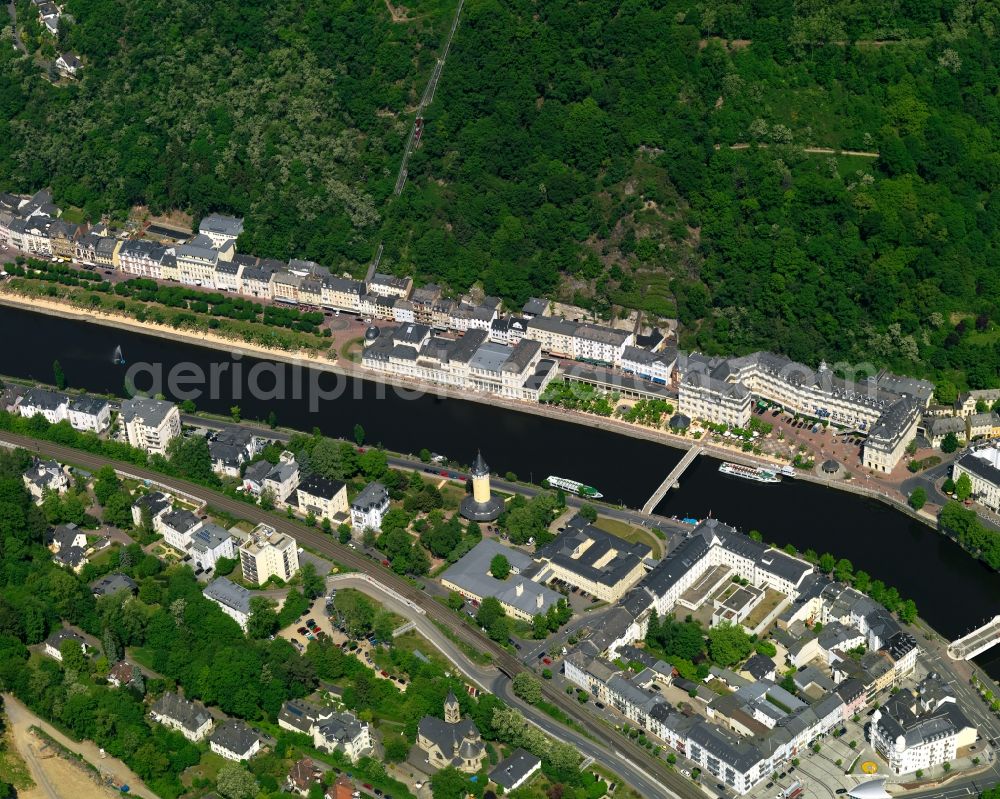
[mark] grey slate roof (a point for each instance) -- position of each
(112, 584)
(511, 770)
(372, 495)
(190, 715)
(208, 538)
(236, 736)
(229, 594)
(180, 520)
(317, 486)
(576, 535)
(471, 573)
(150, 412)
(43, 398)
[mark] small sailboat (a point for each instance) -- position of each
(119, 357)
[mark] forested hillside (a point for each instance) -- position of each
(293, 114)
(675, 156)
(585, 147)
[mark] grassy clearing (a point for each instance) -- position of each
(13, 769)
(630, 533)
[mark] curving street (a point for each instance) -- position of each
(650, 776)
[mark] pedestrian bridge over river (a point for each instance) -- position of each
(673, 479)
(976, 642)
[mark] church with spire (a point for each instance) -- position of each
(451, 742)
(481, 505)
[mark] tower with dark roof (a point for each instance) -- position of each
(481, 505)
(452, 712)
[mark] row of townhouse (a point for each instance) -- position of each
(579, 341)
(83, 412)
(470, 361)
(209, 260)
(745, 735)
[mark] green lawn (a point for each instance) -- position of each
(630, 533)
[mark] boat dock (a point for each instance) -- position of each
(673, 479)
(976, 642)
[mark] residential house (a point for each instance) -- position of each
(231, 448)
(921, 729)
(177, 527)
(68, 65)
(53, 405)
(255, 281)
(285, 286)
(107, 252)
(62, 238)
(283, 478)
(65, 536)
(209, 543)
(535, 307)
(155, 502)
(325, 499)
(122, 674)
(45, 476)
(341, 293)
(390, 286)
(369, 507)
(657, 367)
(53, 644)
(196, 261)
(142, 258)
(233, 599)
(114, 583)
(191, 719)
(514, 771)
(89, 414)
(221, 228)
(302, 776)
(235, 740)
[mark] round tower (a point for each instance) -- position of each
(480, 479)
(481, 505)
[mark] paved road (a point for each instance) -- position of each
(18, 43)
(669, 527)
(21, 716)
(631, 762)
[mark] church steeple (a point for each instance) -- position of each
(452, 712)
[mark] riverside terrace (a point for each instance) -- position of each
(756, 727)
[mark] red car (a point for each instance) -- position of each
(547, 661)
(384, 673)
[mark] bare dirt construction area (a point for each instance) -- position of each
(55, 776)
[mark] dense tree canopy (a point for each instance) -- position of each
(586, 148)
(290, 114)
(579, 148)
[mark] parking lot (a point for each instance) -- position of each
(301, 632)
